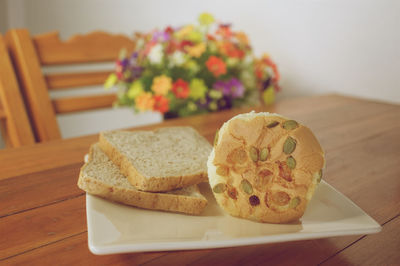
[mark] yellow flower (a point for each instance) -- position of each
(135, 89)
(161, 85)
(192, 66)
(197, 50)
(197, 89)
(182, 33)
(111, 81)
(194, 36)
(269, 95)
(191, 106)
(206, 19)
(144, 101)
(212, 45)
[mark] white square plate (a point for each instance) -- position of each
(116, 228)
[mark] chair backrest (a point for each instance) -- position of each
(15, 125)
(30, 53)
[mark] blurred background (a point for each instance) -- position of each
(351, 47)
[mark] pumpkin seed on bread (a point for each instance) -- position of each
(265, 167)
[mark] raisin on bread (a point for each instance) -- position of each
(161, 160)
(265, 167)
(101, 177)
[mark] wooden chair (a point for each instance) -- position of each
(30, 53)
(15, 125)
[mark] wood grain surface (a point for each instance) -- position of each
(13, 114)
(82, 103)
(93, 47)
(42, 212)
(62, 81)
(33, 85)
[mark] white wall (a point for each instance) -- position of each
(346, 46)
(3, 16)
(321, 46)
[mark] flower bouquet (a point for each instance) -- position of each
(193, 69)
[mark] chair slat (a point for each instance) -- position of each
(33, 84)
(2, 114)
(94, 47)
(16, 124)
(32, 52)
(75, 104)
(73, 80)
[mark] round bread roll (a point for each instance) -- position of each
(265, 167)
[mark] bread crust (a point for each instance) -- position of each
(147, 200)
(151, 184)
(264, 190)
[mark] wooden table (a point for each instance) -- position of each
(42, 211)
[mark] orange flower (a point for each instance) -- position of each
(161, 104)
(242, 37)
(197, 50)
(210, 37)
(144, 101)
(216, 66)
(161, 85)
(267, 60)
(181, 89)
(229, 49)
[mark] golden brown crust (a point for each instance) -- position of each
(275, 176)
(143, 183)
(147, 200)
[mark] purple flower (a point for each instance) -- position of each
(161, 36)
(124, 63)
(233, 88)
(236, 87)
(223, 87)
(266, 84)
(203, 103)
(227, 25)
(210, 104)
(224, 103)
(136, 71)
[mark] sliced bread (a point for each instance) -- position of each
(101, 177)
(160, 160)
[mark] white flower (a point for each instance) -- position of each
(139, 43)
(156, 54)
(177, 59)
(248, 59)
(248, 79)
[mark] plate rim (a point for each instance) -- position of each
(374, 227)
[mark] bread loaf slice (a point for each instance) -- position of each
(101, 177)
(160, 160)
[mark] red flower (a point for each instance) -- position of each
(270, 63)
(224, 31)
(169, 30)
(216, 66)
(161, 104)
(172, 46)
(181, 89)
(185, 43)
(119, 69)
